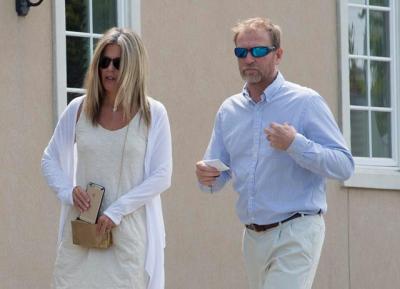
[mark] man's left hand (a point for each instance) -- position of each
(280, 136)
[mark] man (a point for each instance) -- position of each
(281, 142)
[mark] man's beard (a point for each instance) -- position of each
(251, 77)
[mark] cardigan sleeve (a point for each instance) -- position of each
(58, 157)
(158, 178)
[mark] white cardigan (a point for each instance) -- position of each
(59, 166)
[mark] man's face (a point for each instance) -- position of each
(257, 70)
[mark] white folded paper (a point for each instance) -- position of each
(216, 163)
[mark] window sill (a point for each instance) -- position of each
(375, 178)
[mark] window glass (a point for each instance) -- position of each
(358, 82)
(77, 15)
(379, 2)
(72, 95)
(381, 134)
(78, 57)
(357, 31)
(104, 15)
(95, 41)
(379, 38)
(359, 133)
(380, 84)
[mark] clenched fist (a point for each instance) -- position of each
(280, 136)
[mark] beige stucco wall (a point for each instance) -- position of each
(192, 71)
(28, 212)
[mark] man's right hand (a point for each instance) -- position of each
(81, 199)
(206, 174)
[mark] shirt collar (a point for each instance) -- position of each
(269, 92)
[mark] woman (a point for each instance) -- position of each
(122, 140)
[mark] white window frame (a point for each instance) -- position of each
(128, 16)
(377, 173)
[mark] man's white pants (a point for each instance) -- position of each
(284, 257)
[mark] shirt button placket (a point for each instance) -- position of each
(255, 147)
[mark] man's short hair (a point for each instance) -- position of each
(259, 23)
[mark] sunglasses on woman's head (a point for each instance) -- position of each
(105, 62)
(258, 51)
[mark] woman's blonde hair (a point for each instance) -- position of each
(131, 94)
(259, 23)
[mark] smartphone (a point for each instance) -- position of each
(96, 193)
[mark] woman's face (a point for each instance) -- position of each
(109, 68)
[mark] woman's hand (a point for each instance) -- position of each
(81, 199)
(104, 224)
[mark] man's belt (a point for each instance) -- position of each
(261, 228)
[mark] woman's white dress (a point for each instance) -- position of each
(122, 266)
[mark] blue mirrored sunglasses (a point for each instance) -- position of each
(258, 51)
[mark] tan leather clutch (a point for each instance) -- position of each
(84, 234)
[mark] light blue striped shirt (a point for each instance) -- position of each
(273, 185)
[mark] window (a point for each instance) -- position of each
(370, 92)
(85, 22)
(78, 26)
